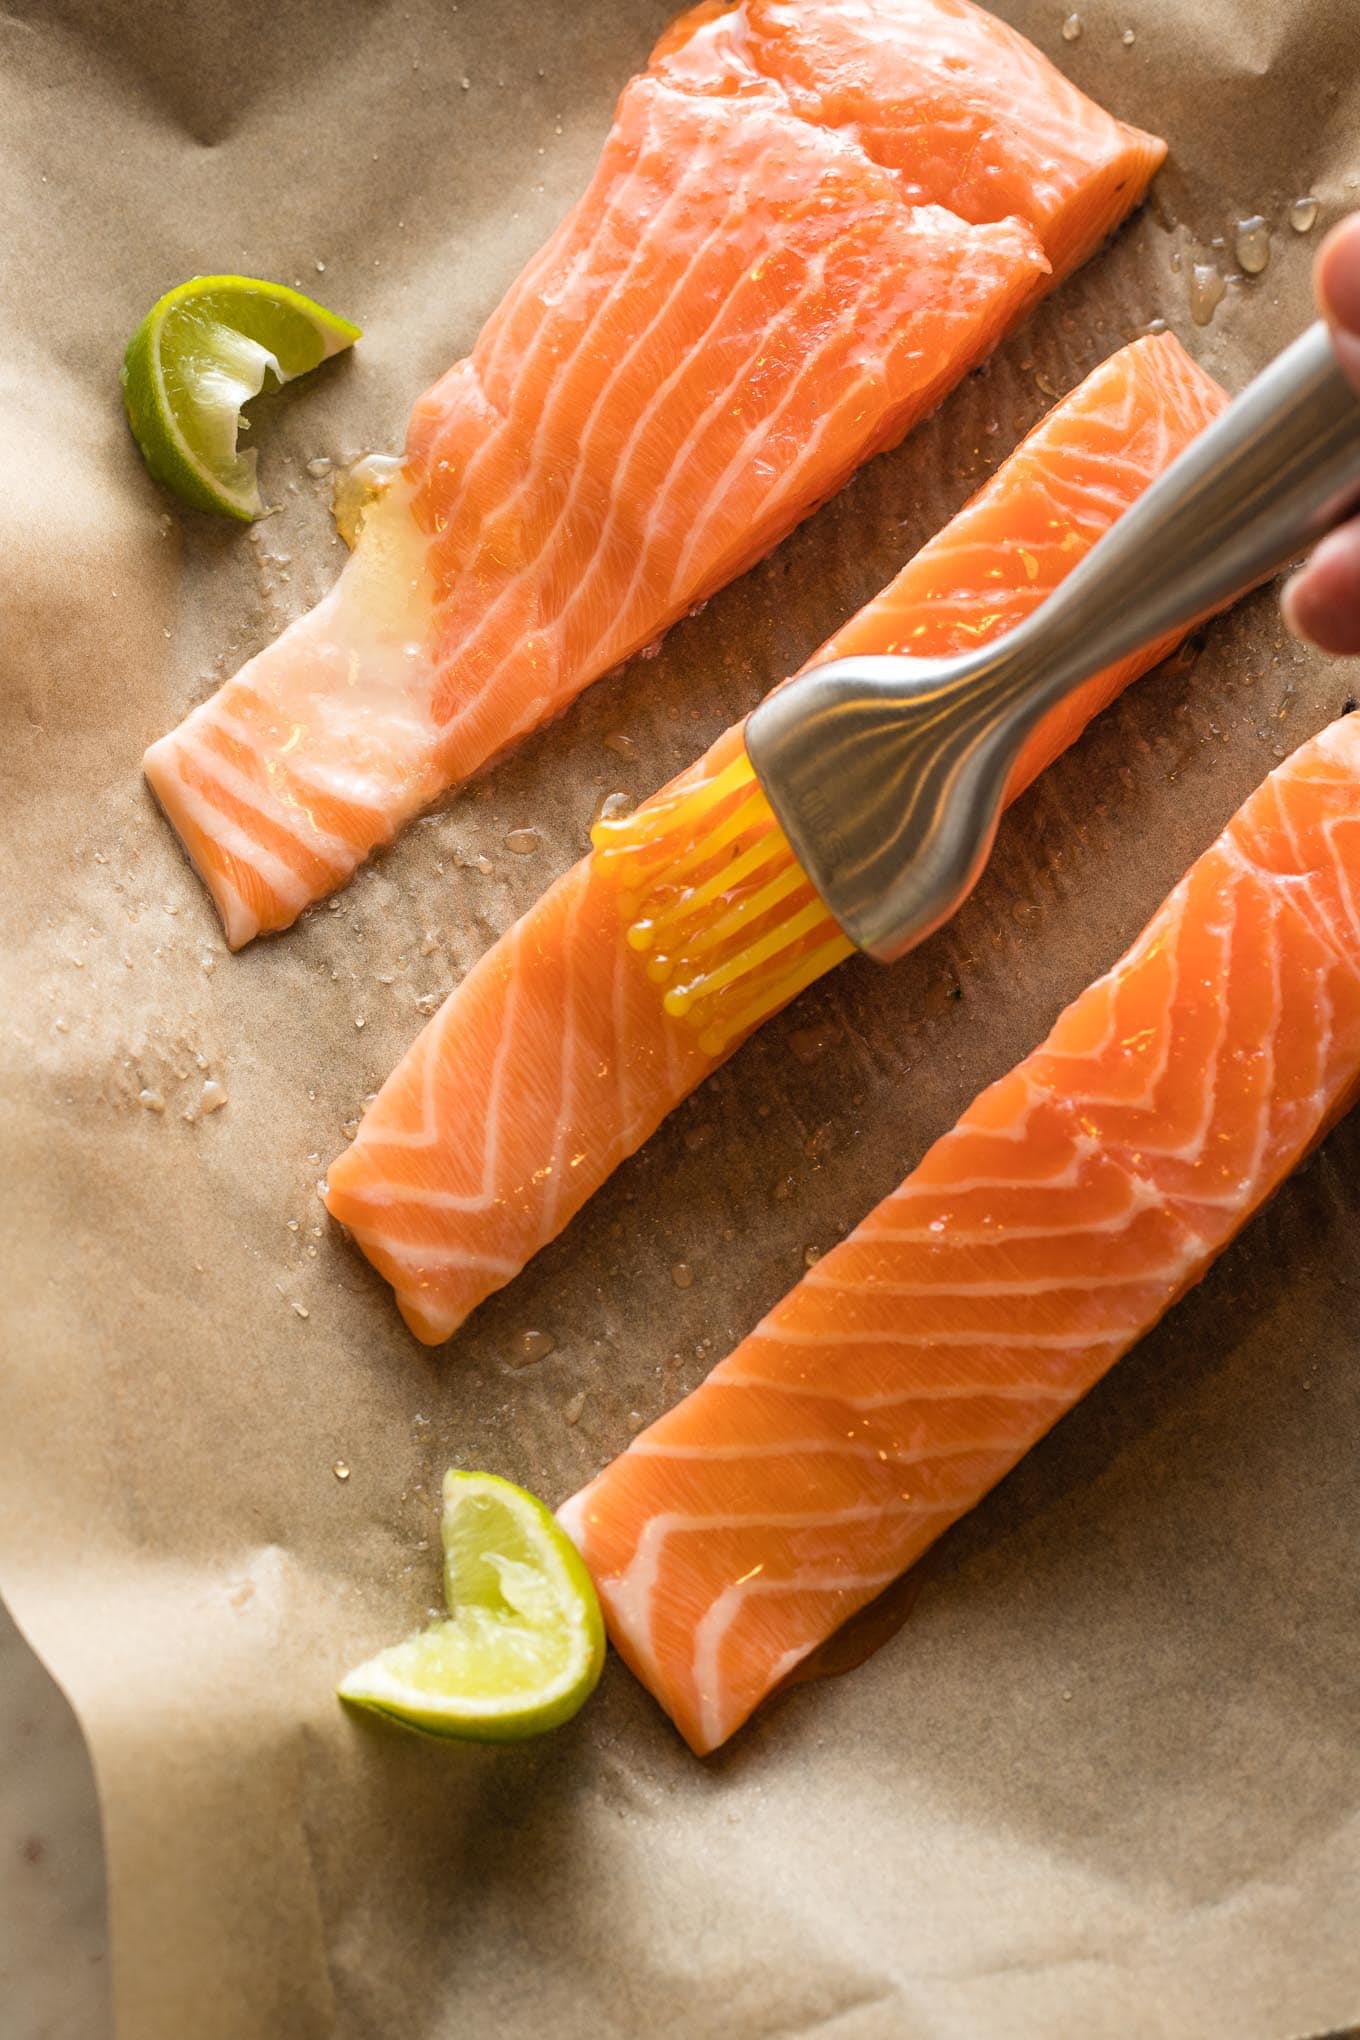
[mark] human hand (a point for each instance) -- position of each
(1322, 601)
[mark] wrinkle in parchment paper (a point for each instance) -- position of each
(1103, 1780)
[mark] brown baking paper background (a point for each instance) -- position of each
(1104, 1781)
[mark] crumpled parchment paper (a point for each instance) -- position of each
(1104, 1779)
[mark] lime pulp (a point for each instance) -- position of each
(202, 351)
(523, 1645)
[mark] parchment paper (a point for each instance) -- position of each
(1104, 1781)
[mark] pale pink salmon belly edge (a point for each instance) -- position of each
(1071, 1206)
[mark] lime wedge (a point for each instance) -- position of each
(202, 351)
(524, 1643)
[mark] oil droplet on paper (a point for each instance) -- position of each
(1128, 38)
(682, 1275)
(621, 745)
(341, 1469)
(213, 1097)
(1303, 215)
(534, 1346)
(1251, 244)
(1071, 28)
(300, 1308)
(811, 1256)
(571, 1409)
(523, 842)
(151, 1101)
(356, 488)
(318, 467)
(1206, 292)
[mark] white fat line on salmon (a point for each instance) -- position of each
(906, 1398)
(1041, 1285)
(312, 775)
(632, 1592)
(817, 1448)
(239, 919)
(712, 1628)
(266, 802)
(430, 1131)
(614, 636)
(739, 463)
(220, 829)
(421, 1256)
(640, 175)
(1001, 1234)
(1046, 1342)
(700, 174)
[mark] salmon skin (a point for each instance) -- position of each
(808, 222)
(1071, 1206)
(554, 1058)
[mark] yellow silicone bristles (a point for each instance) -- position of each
(714, 897)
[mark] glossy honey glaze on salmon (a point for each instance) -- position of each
(1071, 1206)
(809, 220)
(553, 1059)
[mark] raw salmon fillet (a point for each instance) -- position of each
(808, 222)
(553, 1059)
(1071, 1206)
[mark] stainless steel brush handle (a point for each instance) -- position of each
(888, 774)
(1275, 471)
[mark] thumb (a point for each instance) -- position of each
(1337, 281)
